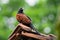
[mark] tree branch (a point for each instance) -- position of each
(22, 32)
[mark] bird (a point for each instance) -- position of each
(24, 19)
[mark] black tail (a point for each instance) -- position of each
(31, 25)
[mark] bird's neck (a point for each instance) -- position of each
(20, 11)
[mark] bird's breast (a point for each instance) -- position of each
(22, 18)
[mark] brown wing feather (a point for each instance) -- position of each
(22, 18)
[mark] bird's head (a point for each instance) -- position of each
(20, 10)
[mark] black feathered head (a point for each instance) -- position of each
(20, 10)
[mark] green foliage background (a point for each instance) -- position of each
(44, 14)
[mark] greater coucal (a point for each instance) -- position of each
(22, 18)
